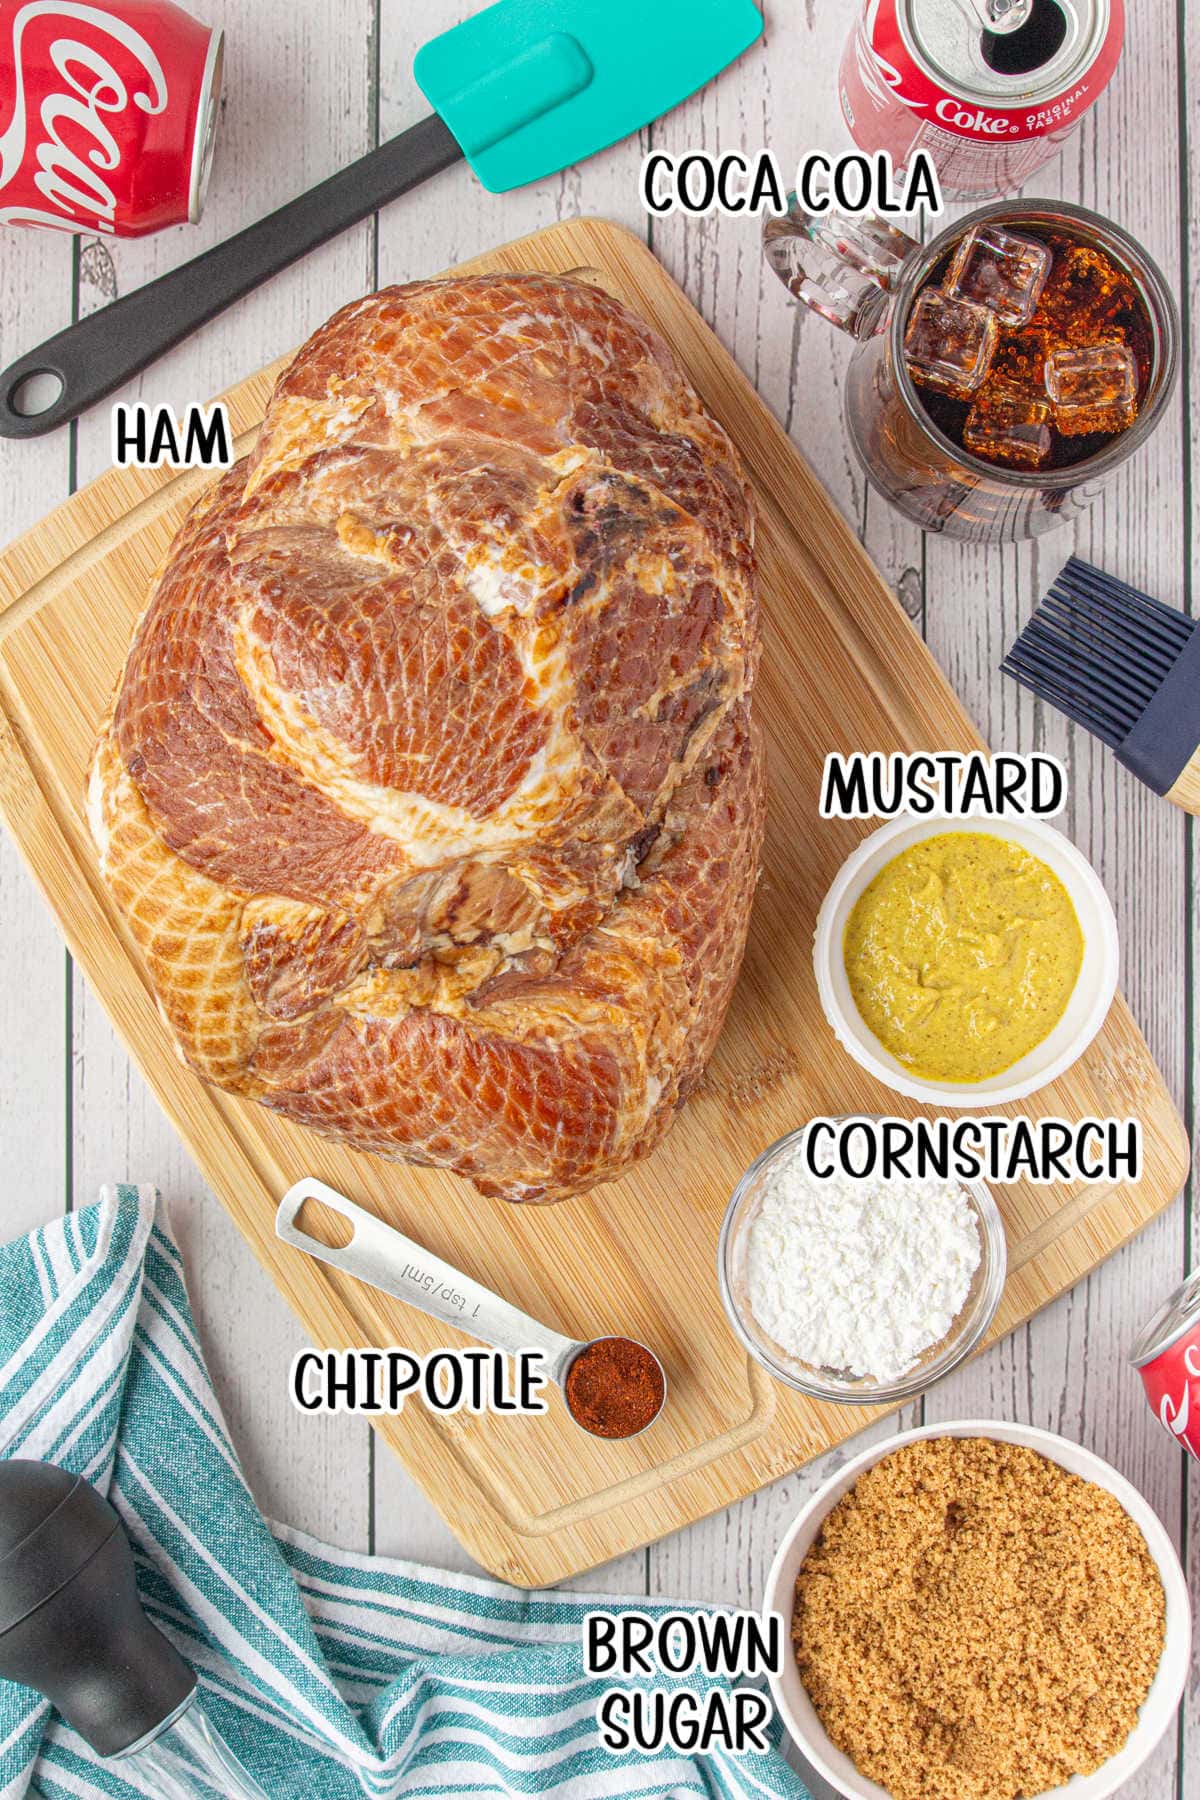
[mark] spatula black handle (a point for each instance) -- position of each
(99, 353)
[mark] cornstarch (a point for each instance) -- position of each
(863, 1276)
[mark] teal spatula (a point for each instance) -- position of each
(520, 90)
(530, 86)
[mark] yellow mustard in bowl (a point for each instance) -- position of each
(962, 955)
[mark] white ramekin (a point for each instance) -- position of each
(796, 1709)
(1087, 1008)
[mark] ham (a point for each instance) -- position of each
(431, 791)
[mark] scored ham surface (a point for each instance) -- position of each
(430, 791)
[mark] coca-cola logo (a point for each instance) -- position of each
(977, 122)
(881, 79)
(1176, 1415)
(70, 147)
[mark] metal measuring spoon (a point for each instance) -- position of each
(385, 1259)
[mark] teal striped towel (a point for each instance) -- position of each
(333, 1676)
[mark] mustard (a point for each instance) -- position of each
(962, 955)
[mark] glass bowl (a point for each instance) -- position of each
(836, 1385)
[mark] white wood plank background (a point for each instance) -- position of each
(310, 86)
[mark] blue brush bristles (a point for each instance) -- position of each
(1098, 650)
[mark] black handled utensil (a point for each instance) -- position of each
(99, 353)
(521, 90)
(73, 1627)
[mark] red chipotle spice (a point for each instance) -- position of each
(615, 1388)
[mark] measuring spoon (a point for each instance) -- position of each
(385, 1259)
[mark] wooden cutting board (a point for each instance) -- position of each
(533, 1499)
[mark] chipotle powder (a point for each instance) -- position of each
(615, 1388)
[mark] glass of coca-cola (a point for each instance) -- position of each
(1004, 370)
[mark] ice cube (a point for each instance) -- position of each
(1092, 387)
(1085, 293)
(949, 343)
(1000, 270)
(1009, 430)
(1019, 365)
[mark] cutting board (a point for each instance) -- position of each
(534, 1500)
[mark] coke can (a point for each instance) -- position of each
(108, 114)
(1167, 1357)
(989, 103)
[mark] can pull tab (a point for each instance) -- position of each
(998, 16)
(840, 267)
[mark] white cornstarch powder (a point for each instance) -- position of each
(862, 1276)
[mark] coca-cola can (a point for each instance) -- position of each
(989, 104)
(108, 114)
(1167, 1357)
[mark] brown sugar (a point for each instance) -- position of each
(975, 1623)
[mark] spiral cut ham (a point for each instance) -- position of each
(430, 791)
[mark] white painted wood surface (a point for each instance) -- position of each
(310, 86)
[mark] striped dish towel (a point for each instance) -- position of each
(333, 1676)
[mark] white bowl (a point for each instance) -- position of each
(1086, 1010)
(797, 1710)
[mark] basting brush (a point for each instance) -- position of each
(1126, 668)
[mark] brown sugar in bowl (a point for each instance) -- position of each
(1155, 1715)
